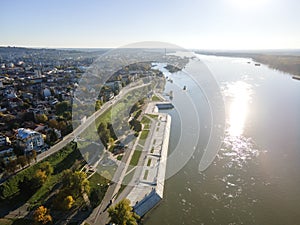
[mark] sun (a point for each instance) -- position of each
(248, 4)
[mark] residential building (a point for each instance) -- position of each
(29, 140)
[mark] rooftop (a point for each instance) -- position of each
(25, 133)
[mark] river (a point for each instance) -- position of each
(254, 179)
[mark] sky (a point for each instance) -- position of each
(196, 24)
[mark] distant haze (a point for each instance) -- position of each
(200, 24)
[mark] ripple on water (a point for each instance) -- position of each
(228, 185)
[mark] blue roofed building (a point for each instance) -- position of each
(29, 140)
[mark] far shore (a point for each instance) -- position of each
(285, 61)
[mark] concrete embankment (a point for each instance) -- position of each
(148, 191)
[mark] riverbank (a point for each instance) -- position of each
(148, 189)
(287, 62)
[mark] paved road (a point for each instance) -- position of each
(139, 168)
(68, 138)
(100, 214)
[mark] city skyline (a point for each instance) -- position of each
(223, 24)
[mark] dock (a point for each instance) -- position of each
(154, 107)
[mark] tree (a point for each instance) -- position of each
(34, 154)
(68, 202)
(53, 123)
(62, 107)
(135, 107)
(104, 134)
(98, 105)
(62, 125)
(41, 118)
(51, 136)
(39, 178)
(42, 215)
(67, 115)
(75, 183)
(47, 168)
(135, 125)
(111, 143)
(11, 166)
(22, 161)
(122, 214)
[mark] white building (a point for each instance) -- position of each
(29, 140)
(46, 92)
(4, 141)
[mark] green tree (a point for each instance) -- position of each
(41, 118)
(47, 168)
(62, 125)
(98, 105)
(121, 213)
(12, 166)
(62, 107)
(42, 215)
(104, 134)
(67, 202)
(22, 161)
(67, 115)
(111, 142)
(39, 178)
(75, 183)
(135, 107)
(34, 155)
(53, 123)
(51, 136)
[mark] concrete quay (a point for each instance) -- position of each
(147, 192)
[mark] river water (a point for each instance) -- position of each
(254, 179)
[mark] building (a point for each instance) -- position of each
(29, 140)
(4, 141)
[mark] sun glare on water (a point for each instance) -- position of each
(240, 96)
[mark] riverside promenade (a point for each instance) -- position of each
(148, 184)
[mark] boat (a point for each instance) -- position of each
(296, 77)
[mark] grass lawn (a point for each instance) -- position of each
(145, 120)
(152, 149)
(144, 134)
(155, 98)
(149, 162)
(114, 114)
(98, 188)
(153, 116)
(20, 221)
(61, 162)
(135, 158)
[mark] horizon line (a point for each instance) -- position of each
(191, 49)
